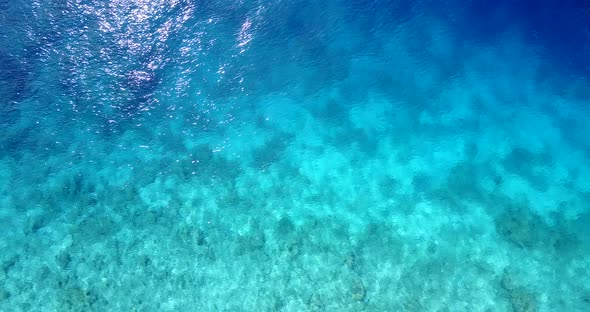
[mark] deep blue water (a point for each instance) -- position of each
(294, 155)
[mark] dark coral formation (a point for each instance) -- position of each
(529, 166)
(522, 227)
(521, 299)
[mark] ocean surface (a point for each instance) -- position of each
(294, 155)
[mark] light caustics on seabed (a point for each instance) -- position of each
(294, 156)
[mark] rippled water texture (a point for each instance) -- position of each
(336, 155)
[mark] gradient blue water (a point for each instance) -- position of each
(336, 155)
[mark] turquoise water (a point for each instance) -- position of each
(334, 155)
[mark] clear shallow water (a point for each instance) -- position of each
(294, 156)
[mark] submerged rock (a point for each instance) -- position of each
(358, 289)
(520, 298)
